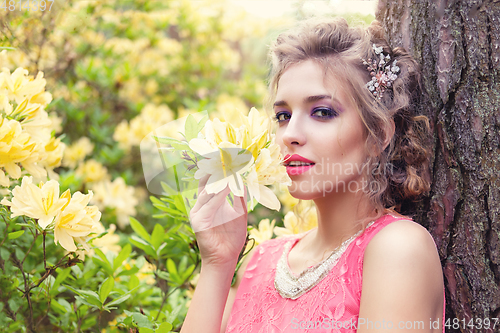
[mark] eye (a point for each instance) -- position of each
(324, 113)
(282, 116)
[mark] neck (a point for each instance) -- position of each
(339, 217)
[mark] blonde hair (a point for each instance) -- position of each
(400, 161)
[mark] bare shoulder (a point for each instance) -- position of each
(402, 276)
(401, 239)
(403, 247)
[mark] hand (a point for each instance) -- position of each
(220, 228)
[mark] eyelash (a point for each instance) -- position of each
(331, 113)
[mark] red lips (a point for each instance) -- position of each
(296, 157)
(297, 170)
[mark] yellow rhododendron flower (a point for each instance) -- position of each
(17, 146)
(19, 85)
(217, 132)
(37, 126)
(54, 150)
(263, 232)
(122, 136)
(226, 106)
(256, 123)
(116, 195)
(285, 197)
(40, 202)
(55, 123)
(107, 243)
(77, 152)
(151, 117)
(76, 221)
(295, 225)
(92, 171)
(266, 171)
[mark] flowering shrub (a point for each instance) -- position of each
(82, 247)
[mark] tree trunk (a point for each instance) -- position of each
(457, 43)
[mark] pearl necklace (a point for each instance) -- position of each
(290, 286)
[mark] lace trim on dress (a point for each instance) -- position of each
(290, 286)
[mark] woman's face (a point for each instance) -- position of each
(320, 133)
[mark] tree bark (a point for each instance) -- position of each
(457, 43)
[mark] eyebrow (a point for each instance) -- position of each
(309, 99)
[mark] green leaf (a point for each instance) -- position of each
(139, 229)
(202, 122)
(105, 265)
(102, 256)
(162, 246)
(118, 300)
(62, 274)
(89, 301)
(15, 234)
(176, 144)
(168, 189)
(124, 254)
(172, 212)
(188, 272)
(133, 282)
(155, 200)
(165, 140)
(164, 328)
(83, 293)
(141, 320)
(86, 296)
(157, 236)
(126, 272)
(143, 245)
(145, 330)
(179, 204)
(57, 307)
(172, 270)
(191, 128)
(171, 267)
(163, 275)
(106, 288)
(175, 312)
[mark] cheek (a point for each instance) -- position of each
(344, 143)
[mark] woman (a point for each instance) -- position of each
(344, 103)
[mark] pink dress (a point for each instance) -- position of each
(330, 306)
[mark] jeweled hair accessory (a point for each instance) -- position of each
(383, 74)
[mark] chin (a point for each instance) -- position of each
(304, 193)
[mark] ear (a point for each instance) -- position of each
(389, 133)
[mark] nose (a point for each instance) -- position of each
(293, 132)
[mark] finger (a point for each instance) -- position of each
(207, 214)
(240, 203)
(202, 183)
(210, 202)
(203, 198)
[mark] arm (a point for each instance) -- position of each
(209, 299)
(214, 288)
(220, 233)
(402, 281)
